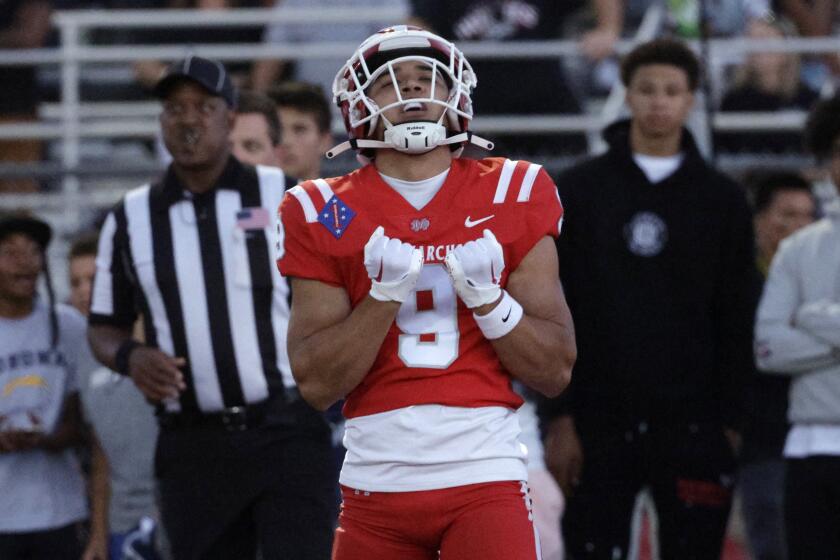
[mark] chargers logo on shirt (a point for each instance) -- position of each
(336, 216)
(23, 381)
(24, 402)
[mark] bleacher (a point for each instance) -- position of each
(97, 147)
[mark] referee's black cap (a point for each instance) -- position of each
(209, 74)
(27, 224)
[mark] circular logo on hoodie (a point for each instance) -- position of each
(646, 234)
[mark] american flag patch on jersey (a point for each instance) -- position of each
(336, 216)
(252, 218)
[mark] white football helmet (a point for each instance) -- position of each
(378, 54)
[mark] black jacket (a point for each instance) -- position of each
(661, 282)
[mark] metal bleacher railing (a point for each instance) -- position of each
(72, 121)
(78, 120)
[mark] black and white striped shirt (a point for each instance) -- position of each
(201, 270)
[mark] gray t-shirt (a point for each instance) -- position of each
(126, 428)
(39, 489)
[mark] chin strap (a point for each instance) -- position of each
(355, 144)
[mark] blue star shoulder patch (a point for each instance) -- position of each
(336, 216)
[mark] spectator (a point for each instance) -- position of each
(599, 43)
(305, 121)
(723, 18)
(596, 73)
(242, 462)
(783, 203)
(434, 464)
(658, 265)
(24, 24)
(122, 439)
(255, 138)
(766, 82)
(815, 18)
(547, 90)
(320, 71)
(81, 268)
(148, 72)
(42, 355)
(798, 335)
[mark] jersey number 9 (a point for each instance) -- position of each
(428, 320)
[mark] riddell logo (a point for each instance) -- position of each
(414, 127)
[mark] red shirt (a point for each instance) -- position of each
(434, 352)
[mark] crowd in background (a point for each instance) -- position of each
(756, 82)
(285, 120)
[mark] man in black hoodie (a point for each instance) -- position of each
(656, 258)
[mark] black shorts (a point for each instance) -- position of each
(63, 543)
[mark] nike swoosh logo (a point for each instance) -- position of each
(506, 317)
(472, 223)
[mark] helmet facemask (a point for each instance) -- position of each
(379, 55)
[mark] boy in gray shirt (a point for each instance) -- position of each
(798, 334)
(42, 352)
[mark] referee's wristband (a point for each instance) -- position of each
(502, 319)
(123, 354)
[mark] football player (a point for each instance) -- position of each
(423, 283)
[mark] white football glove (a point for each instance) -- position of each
(393, 266)
(476, 270)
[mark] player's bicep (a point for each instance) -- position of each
(535, 284)
(316, 306)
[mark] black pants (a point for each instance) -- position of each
(689, 471)
(63, 543)
(225, 494)
(762, 484)
(812, 507)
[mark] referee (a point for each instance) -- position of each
(242, 462)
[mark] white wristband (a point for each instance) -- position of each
(502, 319)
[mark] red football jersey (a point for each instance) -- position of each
(434, 352)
